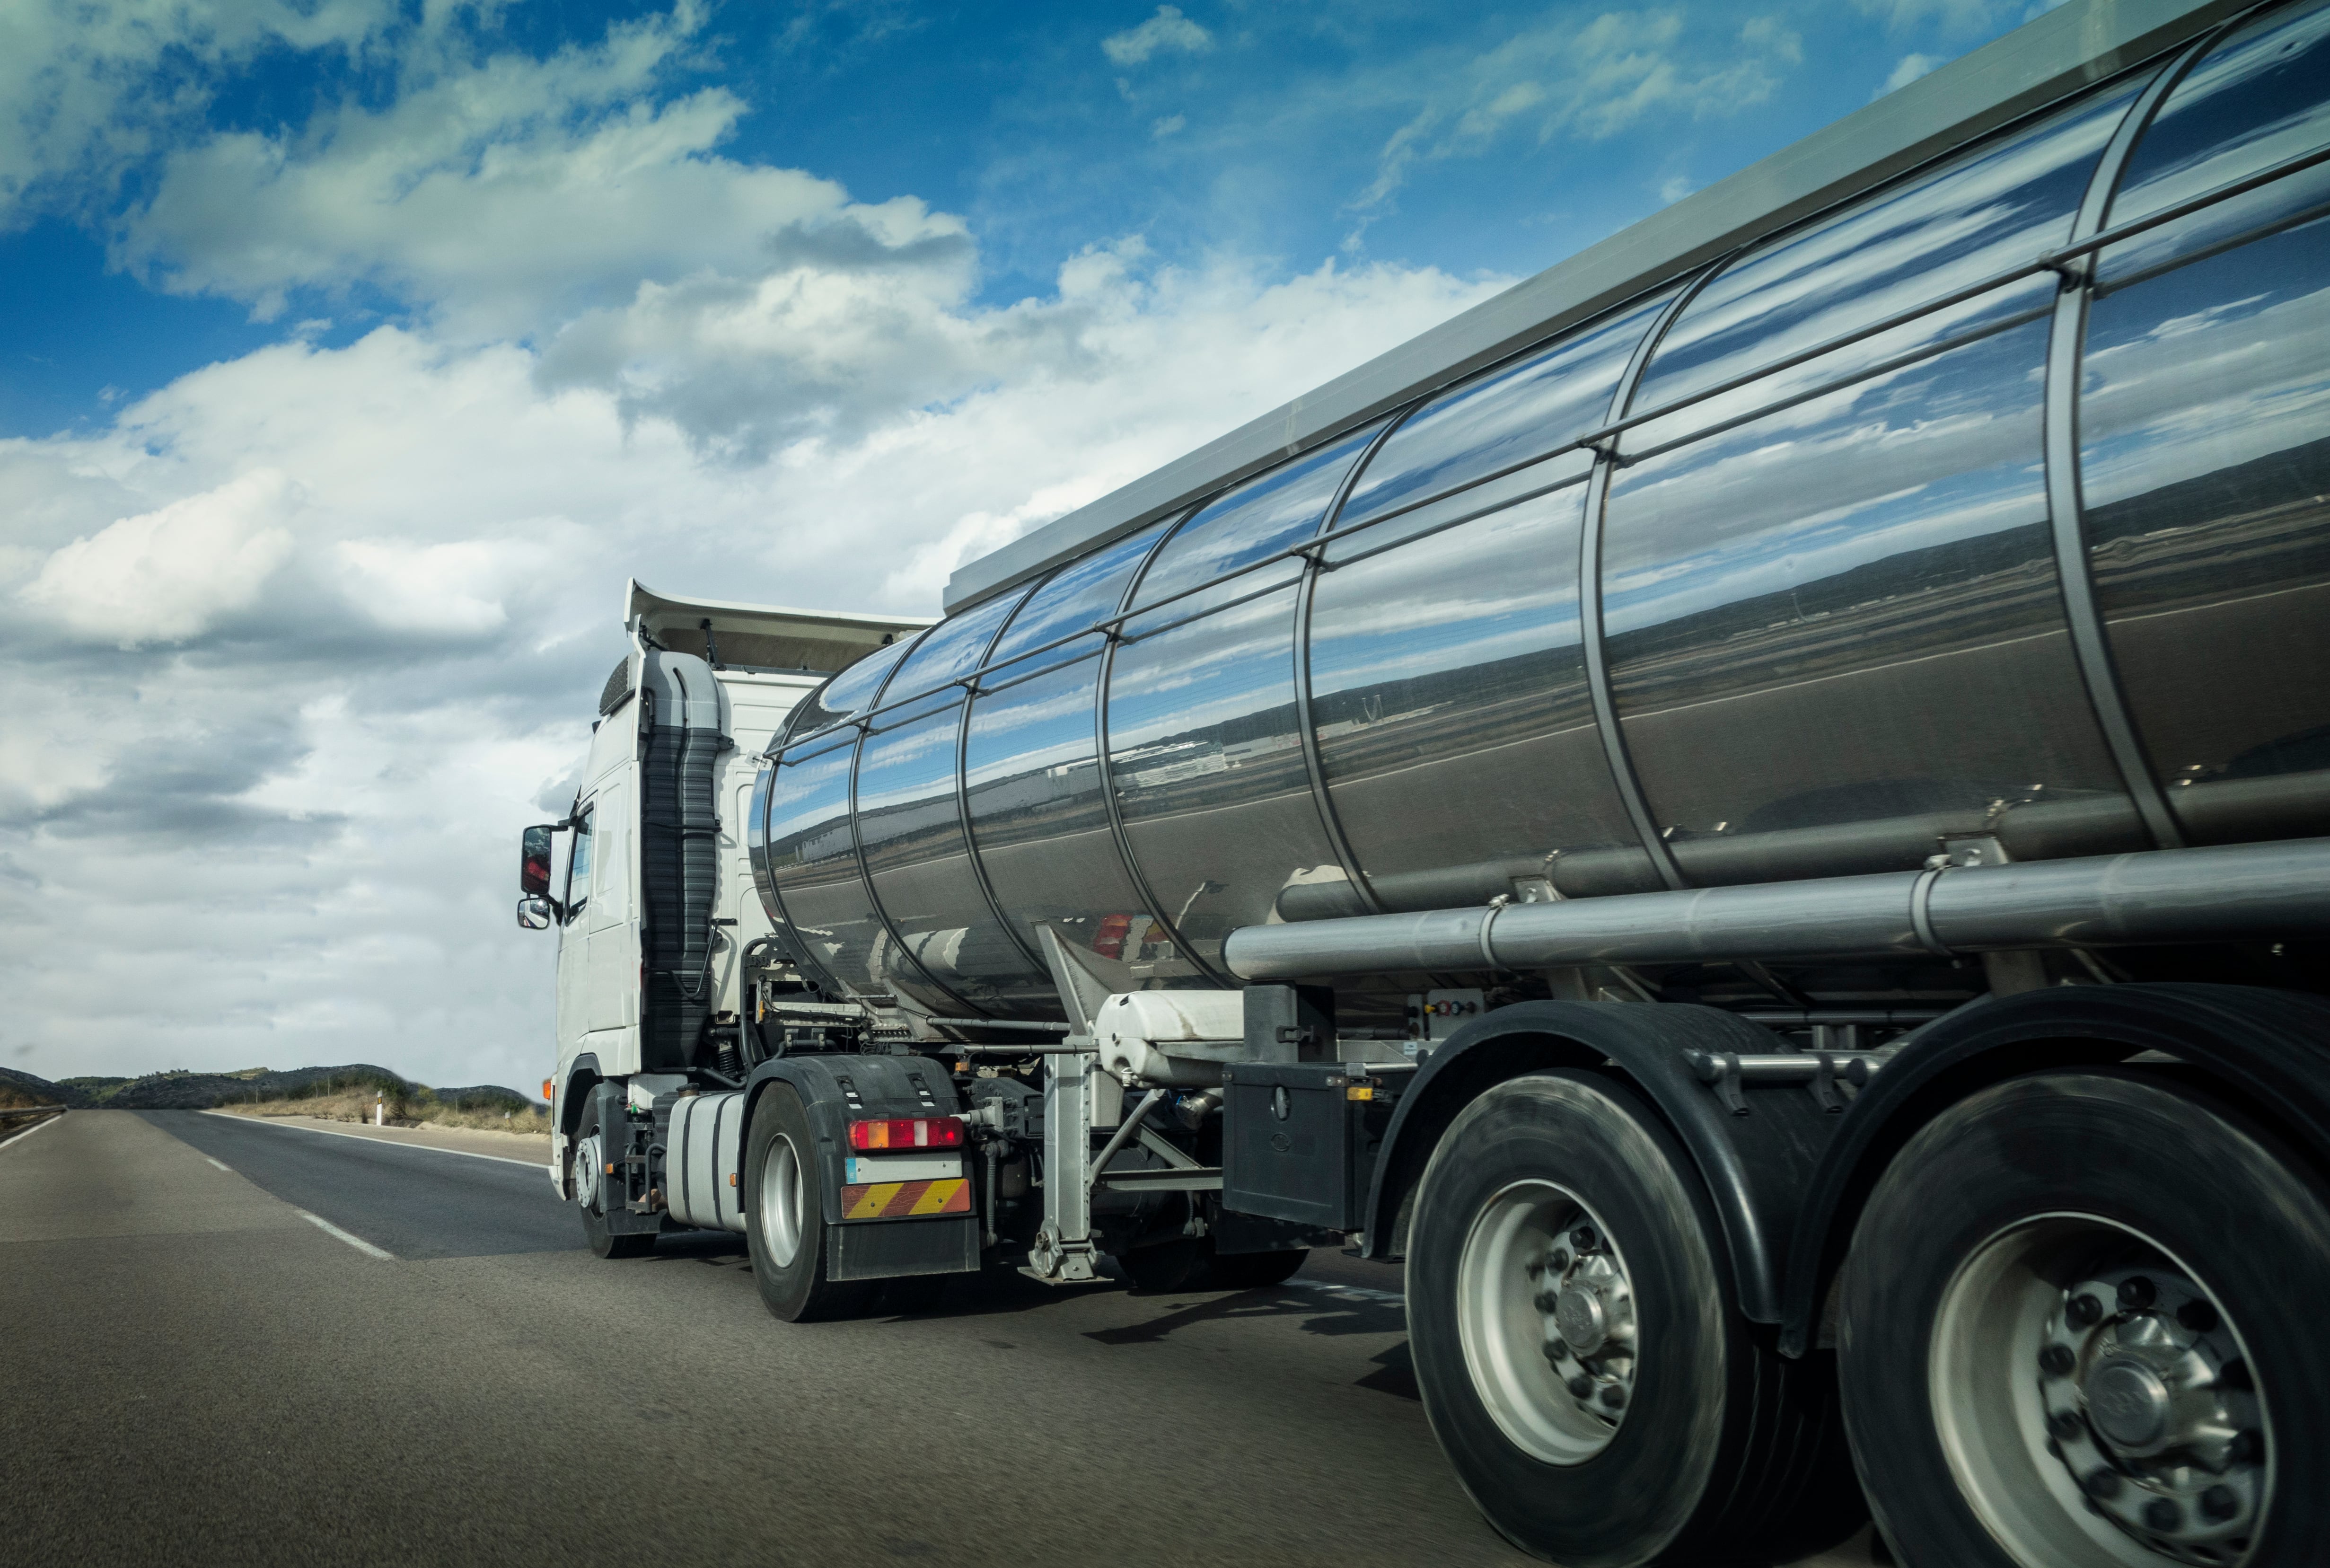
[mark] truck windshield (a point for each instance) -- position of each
(578, 866)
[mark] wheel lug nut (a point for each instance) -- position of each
(2137, 1292)
(1560, 1260)
(1547, 1301)
(2218, 1504)
(1583, 1237)
(1613, 1396)
(1552, 1352)
(2057, 1360)
(2163, 1514)
(2197, 1315)
(2103, 1484)
(1581, 1387)
(2063, 1426)
(2082, 1310)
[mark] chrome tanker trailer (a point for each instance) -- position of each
(1757, 809)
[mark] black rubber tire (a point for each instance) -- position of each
(1729, 1454)
(604, 1239)
(2150, 1151)
(1257, 1270)
(798, 1290)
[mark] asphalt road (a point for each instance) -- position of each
(230, 1342)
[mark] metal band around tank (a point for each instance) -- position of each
(2065, 512)
(857, 843)
(970, 694)
(1107, 774)
(1331, 822)
(1589, 589)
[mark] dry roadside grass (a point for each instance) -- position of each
(355, 1106)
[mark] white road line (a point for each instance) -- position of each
(358, 1243)
(28, 1132)
(537, 1166)
(227, 1169)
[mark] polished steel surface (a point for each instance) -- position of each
(855, 689)
(2254, 100)
(2058, 55)
(1208, 771)
(1976, 216)
(1827, 626)
(1499, 422)
(2206, 460)
(1452, 668)
(812, 864)
(1853, 603)
(1265, 515)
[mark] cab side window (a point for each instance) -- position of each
(578, 866)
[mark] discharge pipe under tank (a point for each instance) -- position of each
(2195, 894)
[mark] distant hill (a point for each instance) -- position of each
(176, 1091)
(39, 1090)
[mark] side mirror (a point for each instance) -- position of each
(533, 912)
(533, 862)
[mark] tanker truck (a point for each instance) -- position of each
(1754, 811)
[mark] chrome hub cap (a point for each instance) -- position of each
(587, 1161)
(1544, 1310)
(777, 1207)
(2096, 1403)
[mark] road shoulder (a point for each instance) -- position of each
(524, 1148)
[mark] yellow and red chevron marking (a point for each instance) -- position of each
(897, 1200)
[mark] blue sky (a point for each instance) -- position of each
(359, 350)
(1493, 142)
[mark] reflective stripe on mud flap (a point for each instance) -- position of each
(904, 1200)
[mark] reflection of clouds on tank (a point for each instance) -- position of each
(2278, 397)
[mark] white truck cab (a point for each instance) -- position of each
(653, 899)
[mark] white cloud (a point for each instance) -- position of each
(1168, 32)
(1159, 130)
(81, 94)
(497, 195)
(168, 574)
(304, 828)
(1588, 82)
(1911, 67)
(1959, 18)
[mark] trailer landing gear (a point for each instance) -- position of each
(1580, 1355)
(2076, 1308)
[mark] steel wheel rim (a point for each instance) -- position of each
(1546, 1324)
(2066, 1460)
(780, 1202)
(586, 1172)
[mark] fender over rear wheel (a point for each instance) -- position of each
(2079, 1328)
(1580, 1356)
(785, 1227)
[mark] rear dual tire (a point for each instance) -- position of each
(1581, 1355)
(2001, 1421)
(785, 1226)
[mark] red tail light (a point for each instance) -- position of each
(907, 1133)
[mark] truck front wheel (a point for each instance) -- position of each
(591, 1192)
(1579, 1356)
(785, 1228)
(2080, 1327)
